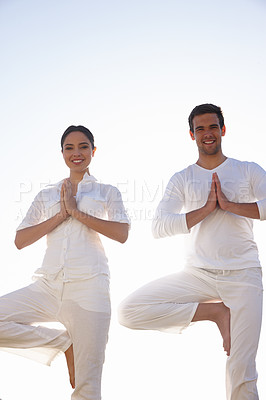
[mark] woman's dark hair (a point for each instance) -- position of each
(79, 128)
(206, 109)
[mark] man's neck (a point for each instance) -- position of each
(211, 161)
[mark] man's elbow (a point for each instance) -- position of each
(155, 229)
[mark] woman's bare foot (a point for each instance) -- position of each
(220, 314)
(70, 365)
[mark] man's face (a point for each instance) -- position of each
(207, 133)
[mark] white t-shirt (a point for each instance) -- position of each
(222, 240)
(72, 248)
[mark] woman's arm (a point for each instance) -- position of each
(25, 237)
(114, 230)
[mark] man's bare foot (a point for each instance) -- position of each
(70, 365)
(220, 314)
(223, 323)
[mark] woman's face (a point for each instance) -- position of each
(77, 151)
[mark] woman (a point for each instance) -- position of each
(72, 286)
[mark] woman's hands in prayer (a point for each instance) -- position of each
(67, 200)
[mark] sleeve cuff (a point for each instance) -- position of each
(262, 209)
(169, 225)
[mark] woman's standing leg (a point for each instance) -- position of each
(88, 329)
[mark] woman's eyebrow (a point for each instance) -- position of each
(71, 144)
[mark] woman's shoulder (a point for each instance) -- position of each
(106, 189)
(100, 191)
(50, 191)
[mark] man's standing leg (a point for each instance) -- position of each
(242, 292)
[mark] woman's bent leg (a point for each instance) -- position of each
(19, 310)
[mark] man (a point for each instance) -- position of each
(221, 281)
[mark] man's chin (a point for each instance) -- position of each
(210, 152)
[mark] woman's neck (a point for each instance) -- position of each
(77, 176)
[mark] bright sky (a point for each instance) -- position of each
(131, 71)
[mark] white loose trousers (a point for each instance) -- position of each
(169, 304)
(83, 307)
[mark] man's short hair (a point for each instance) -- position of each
(206, 109)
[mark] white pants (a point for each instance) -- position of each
(83, 307)
(169, 304)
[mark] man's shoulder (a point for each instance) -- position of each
(187, 169)
(249, 169)
(184, 174)
(243, 163)
(236, 161)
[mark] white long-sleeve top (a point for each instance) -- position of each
(222, 240)
(72, 247)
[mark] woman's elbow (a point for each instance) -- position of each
(18, 242)
(123, 234)
(18, 245)
(123, 238)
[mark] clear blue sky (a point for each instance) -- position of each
(131, 71)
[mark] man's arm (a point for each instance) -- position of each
(168, 220)
(196, 216)
(249, 210)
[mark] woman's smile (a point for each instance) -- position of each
(77, 152)
(77, 161)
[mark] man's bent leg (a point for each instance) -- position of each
(220, 314)
(167, 304)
